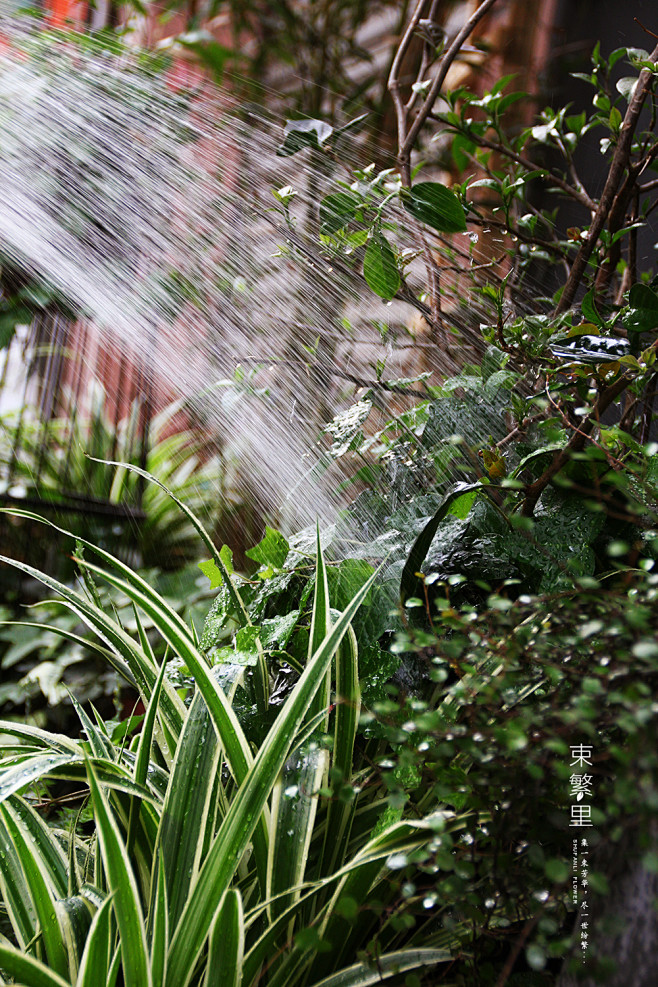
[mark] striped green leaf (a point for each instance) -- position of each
(97, 955)
(144, 755)
(384, 967)
(187, 809)
(42, 889)
(401, 838)
(28, 971)
(226, 947)
(294, 808)
(15, 892)
(29, 770)
(128, 658)
(245, 811)
(348, 704)
(123, 885)
(159, 928)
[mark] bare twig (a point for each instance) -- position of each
(394, 76)
(577, 441)
(620, 163)
(578, 193)
(407, 137)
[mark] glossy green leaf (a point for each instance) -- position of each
(245, 811)
(123, 885)
(187, 809)
(28, 971)
(388, 965)
(590, 311)
(294, 809)
(336, 210)
(436, 206)
(226, 948)
(420, 548)
(346, 717)
(643, 314)
(97, 955)
(380, 268)
(159, 921)
(42, 890)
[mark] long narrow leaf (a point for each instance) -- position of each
(28, 971)
(41, 889)
(226, 950)
(401, 838)
(122, 883)
(388, 965)
(236, 599)
(144, 755)
(97, 955)
(31, 769)
(15, 892)
(187, 805)
(176, 633)
(159, 929)
(131, 662)
(245, 812)
(294, 808)
(421, 546)
(348, 705)
(42, 836)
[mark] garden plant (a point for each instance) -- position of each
(363, 768)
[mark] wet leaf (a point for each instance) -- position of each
(336, 210)
(300, 134)
(380, 268)
(272, 550)
(437, 206)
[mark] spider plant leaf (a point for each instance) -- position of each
(27, 970)
(41, 887)
(386, 966)
(159, 920)
(294, 808)
(245, 811)
(188, 807)
(123, 885)
(97, 955)
(226, 947)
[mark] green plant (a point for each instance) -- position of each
(194, 833)
(66, 456)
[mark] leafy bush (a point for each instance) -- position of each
(208, 863)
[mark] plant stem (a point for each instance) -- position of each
(620, 162)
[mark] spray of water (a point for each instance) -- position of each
(151, 211)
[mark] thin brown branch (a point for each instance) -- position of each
(408, 139)
(394, 77)
(579, 194)
(575, 444)
(620, 162)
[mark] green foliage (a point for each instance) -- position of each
(68, 455)
(436, 206)
(380, 267)
(195, 830)
(303, 796)
(514, 687)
